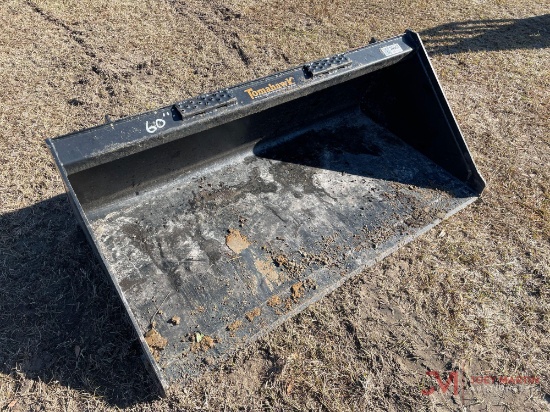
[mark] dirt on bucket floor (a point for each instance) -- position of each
(468, 302)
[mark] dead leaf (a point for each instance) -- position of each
(289, 387)
(12, 403)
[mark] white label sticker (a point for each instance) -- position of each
(391, 49)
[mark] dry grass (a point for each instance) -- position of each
(472, 294)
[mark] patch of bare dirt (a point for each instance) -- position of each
(281, 260)
(274, 300)
(202, 342)
(297, 291)
(267, 269)
(156, 342)
(254, 313)
(236, 241)
(232, 327)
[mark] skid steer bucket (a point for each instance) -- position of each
(221, 216)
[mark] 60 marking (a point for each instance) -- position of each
(153, 127)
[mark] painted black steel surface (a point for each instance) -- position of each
(320, 171)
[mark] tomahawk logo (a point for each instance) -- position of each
(269, 88)
(452, 378)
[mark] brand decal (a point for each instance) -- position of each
(269, 88)
(391, 50)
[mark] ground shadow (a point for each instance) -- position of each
(59, 318)
(488, 35)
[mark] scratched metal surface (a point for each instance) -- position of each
(315, 207)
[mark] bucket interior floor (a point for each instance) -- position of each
(236, 247)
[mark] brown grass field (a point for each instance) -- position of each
(472, 295)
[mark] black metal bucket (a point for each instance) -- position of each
(221, 216)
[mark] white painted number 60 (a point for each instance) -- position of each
(152, 128)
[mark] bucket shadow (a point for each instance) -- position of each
(488, 35)
(59, 318)
(362, 149)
